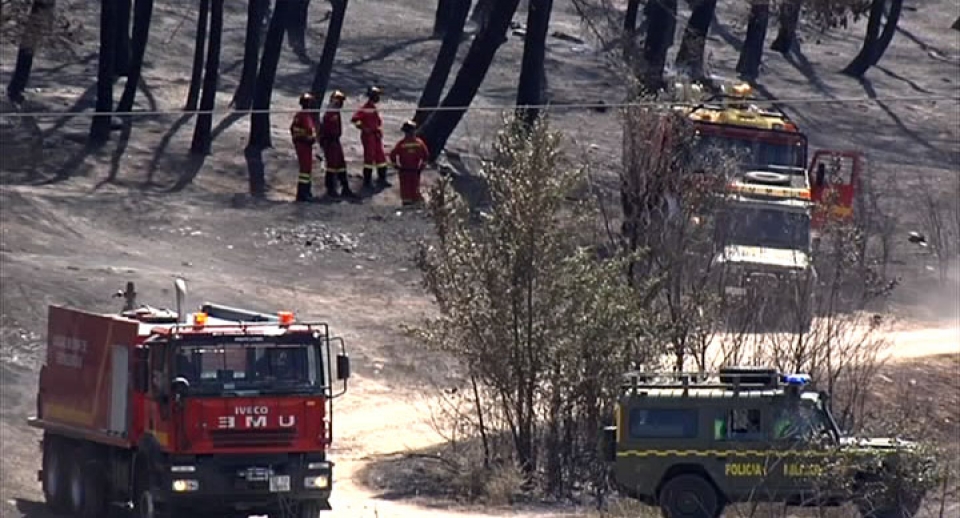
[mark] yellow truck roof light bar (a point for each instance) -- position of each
(771, 191)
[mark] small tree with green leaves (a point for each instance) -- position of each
(528, 307)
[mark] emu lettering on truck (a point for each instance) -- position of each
(222, 415)
(255, 417)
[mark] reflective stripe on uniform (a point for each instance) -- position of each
(304, 178)
(336, 169)
(375, 166)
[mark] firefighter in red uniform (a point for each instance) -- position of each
(304, 133)
(330, 131)
(368, 121)
(409, 156)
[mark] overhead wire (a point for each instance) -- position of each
(487, 107)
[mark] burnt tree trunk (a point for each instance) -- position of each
(481, 12)
(690, 55)
(121, 63)
(789, 19)
(297, 27)
(889, 30)
(865, 58)
(100, 127)
(630, 30)
(272, 47)
(661, 18)
(531, 88)
(446, 56)
(201, 132)
(243, 96)
(142, 12)
(751, 55)
(198, 50)
(321, 78)
(443, 17)
(471, 74)
(38, 27)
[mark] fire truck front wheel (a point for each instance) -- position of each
(309, 510)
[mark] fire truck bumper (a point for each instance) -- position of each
(247, 483)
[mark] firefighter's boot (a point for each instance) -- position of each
(382, 178)
(304, 191)
(330, 182)
(345, 185)
(367, 178)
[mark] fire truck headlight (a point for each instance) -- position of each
(317, 482)
(181, 486)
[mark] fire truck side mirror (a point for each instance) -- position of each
(343, 367)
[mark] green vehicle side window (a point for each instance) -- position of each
(739, 424)
(663, 423)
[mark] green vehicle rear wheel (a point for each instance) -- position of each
(689, 496)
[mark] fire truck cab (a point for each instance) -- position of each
(229, 413)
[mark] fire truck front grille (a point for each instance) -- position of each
(251, 438)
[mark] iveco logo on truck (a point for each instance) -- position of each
(254, 417)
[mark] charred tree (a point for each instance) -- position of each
(142, 12)
(272, 47)
(751, 55)
(198, 50)
(481, 13)
(100, 127)
(443, 17)
(661, 18)
(889, 30)
(446, 56)
(201, 132)
(630, 16)
(532, 85)
(297, 28)
(630, 30)
(869, 51)
(321, 78)
(38, 26)
(472, 71)
(789, 19)
(690, 55)
(256, 12)
(122, 59)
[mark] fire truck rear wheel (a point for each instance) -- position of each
(87, 486)
(55, 479)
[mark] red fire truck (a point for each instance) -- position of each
(229, 414)
(772, 143)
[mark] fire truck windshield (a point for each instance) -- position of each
(753, 152)
(761, 227)
(249, 368)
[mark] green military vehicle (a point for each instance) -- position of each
(692, 443)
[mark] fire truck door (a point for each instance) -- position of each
(834, 176)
